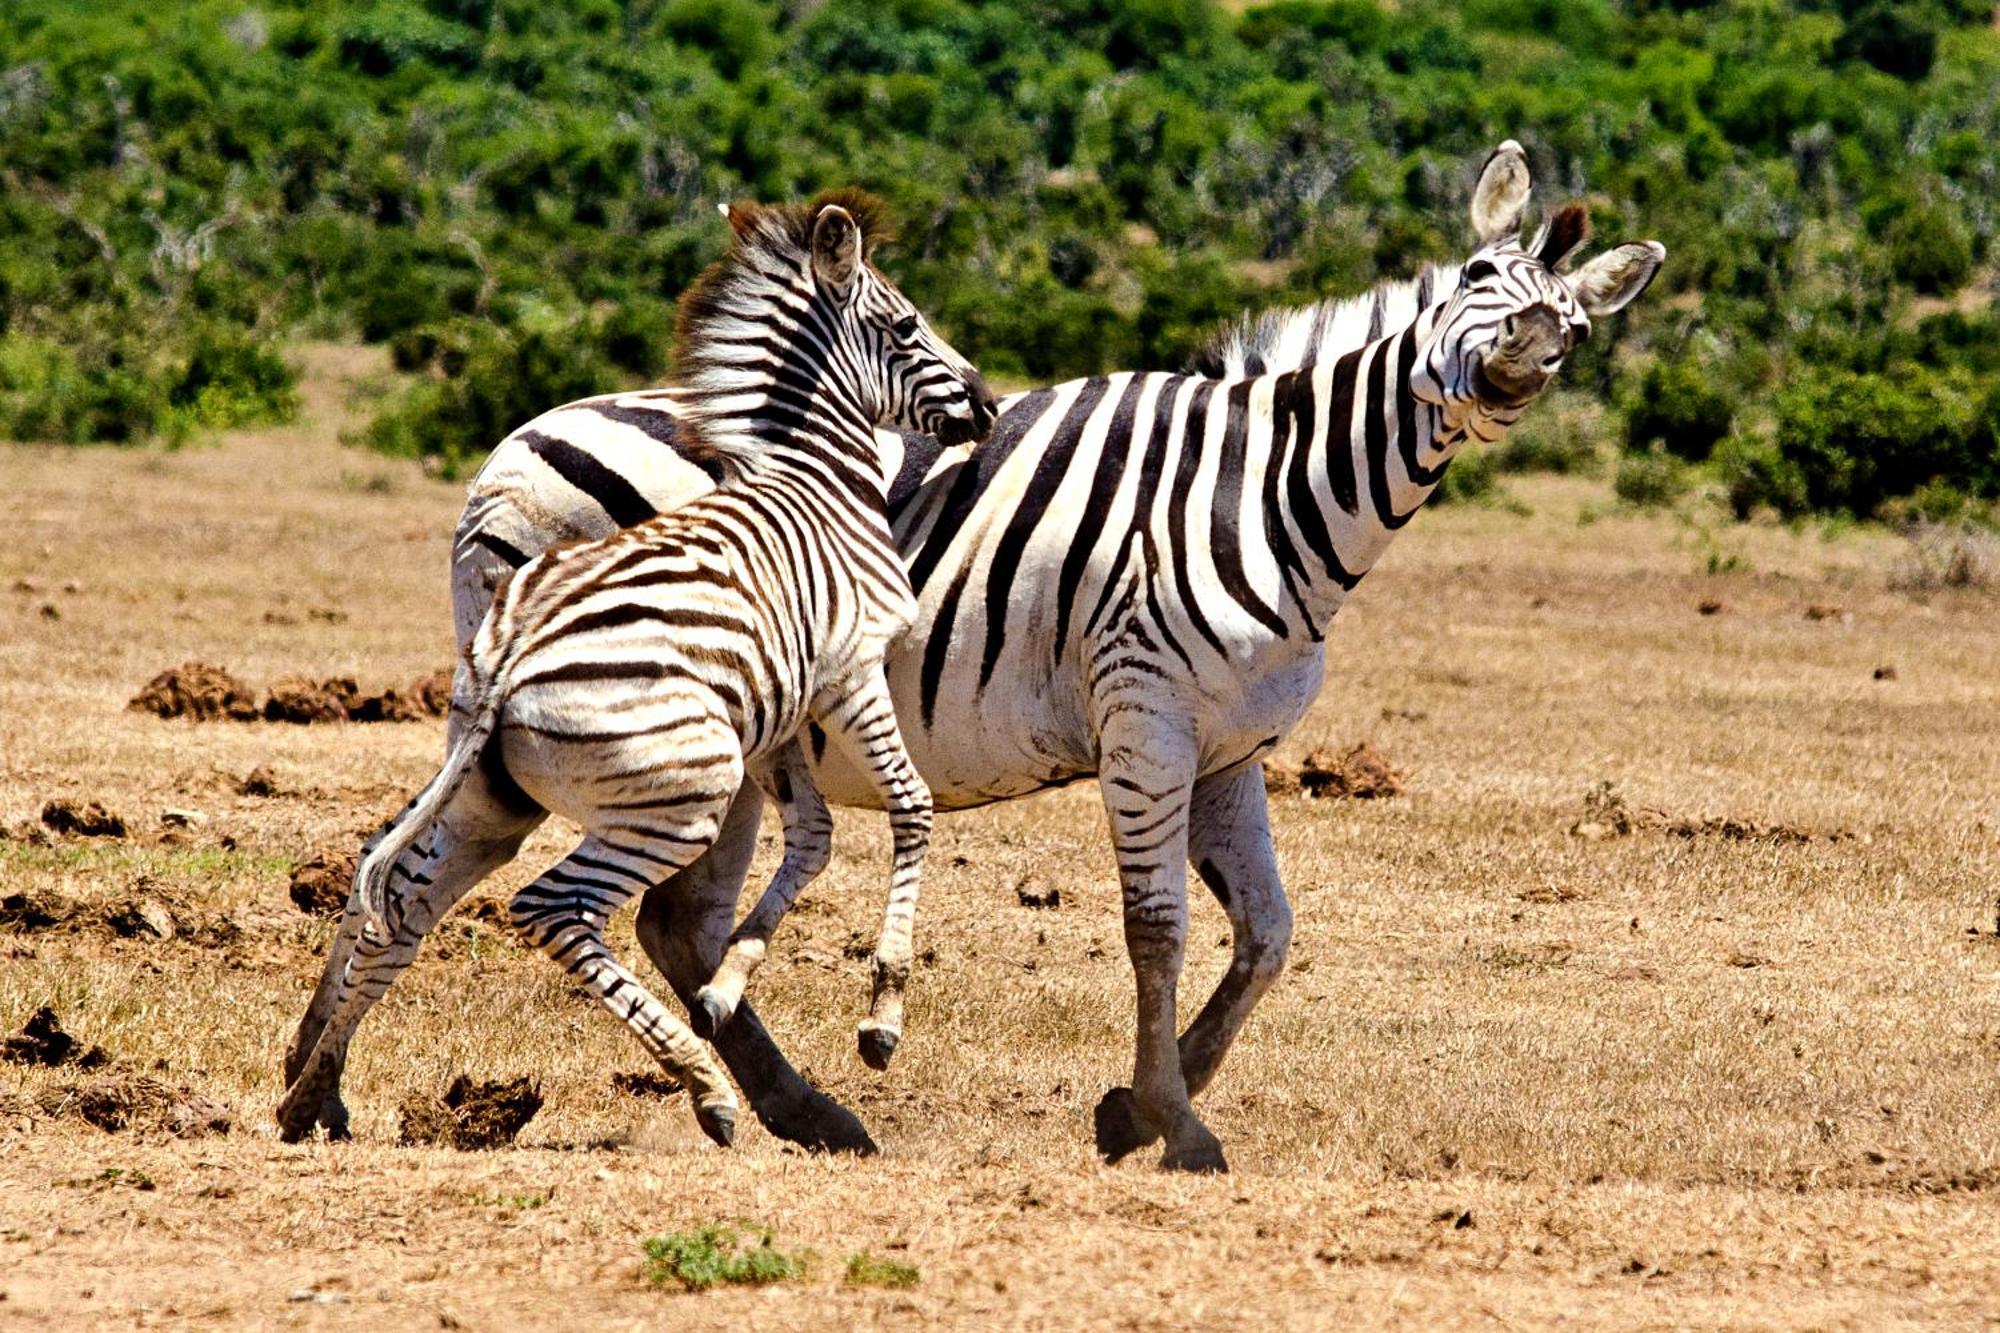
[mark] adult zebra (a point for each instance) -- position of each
(1132, 579)
(631, 683)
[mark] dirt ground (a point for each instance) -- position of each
(1724, 1055)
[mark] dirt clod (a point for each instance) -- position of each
(651, 1083)
(42, 1041)
(321, 884)
(1885, 673)
(1710, 606)
(302, 700)
(1827, 611)
(471, 1116)
(259, 781)
(1362, 774)
(83, 819)
(1604, 815)
(1030, 893)
(197, 690)
(33, 911)
(117, 1102)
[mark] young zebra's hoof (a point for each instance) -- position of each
(297, 1117)
(877, 1045)
(718, 1122)
(708, 1014)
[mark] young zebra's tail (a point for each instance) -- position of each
(371, 877)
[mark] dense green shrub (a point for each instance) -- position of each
(1858, 440)
(1930, 249)
(1679, 405)
(1651, 479)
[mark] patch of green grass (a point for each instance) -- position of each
(114, 1177)
(511, 1202)
(865, 1270)
(716, 1252)
(192, 862)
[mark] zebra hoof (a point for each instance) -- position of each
(718, 1122)
(1200, 1158)
(818, 1123)
(1117, 1124)
(297, 1117)
(877, 1046)
(708, 1015)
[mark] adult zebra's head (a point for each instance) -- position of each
(1502, 336)
(848, 334)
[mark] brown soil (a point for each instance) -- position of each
(320, 885)
(83, 819)
(197, 690)
(1361, 773)
(42, 1041)
(119, 1101)
(470, 1116)
(649, 1083)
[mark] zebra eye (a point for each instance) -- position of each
(906, 327)
(1479, 271)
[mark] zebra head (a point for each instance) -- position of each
(795, 320)
(905, 374)
(1502, 335)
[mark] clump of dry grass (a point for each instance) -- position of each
(1948, 555)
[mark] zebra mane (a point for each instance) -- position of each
(769, 257)
(1270, 342)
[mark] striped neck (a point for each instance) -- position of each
(1359, 454)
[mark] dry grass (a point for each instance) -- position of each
(1662, 1080)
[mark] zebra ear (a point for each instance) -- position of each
(1501, 196)
(1615, 278)
(1564, 230)
(836, 254)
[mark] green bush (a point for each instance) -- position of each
(1930, 249)
(1651, 479)
(1679, 406)
(1755, 474)
(1858, 440)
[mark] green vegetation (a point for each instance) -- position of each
(715, 1252)
(865, 1270)
(510, 194)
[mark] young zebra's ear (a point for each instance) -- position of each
(1501, 196)
(1615, 278)
(836, 255)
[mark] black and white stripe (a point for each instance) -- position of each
(631, 684)
(1132, 580)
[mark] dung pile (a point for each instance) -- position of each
(208, 693)
(1361, 774)
(471, 1116)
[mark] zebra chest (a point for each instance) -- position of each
(1250, 712)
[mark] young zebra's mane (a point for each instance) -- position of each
(727, 315)
(1270, 342)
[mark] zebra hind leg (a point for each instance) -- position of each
(808, 845)
(564, 912)
(427, 879)
(683, 923)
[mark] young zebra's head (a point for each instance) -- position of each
(1502, 336)
(797, 311)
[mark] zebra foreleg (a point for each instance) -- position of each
(1146, 774)
(682, 924)
(863, 723)
(564, 912)
(808, 845)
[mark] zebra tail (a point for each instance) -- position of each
(371, 877)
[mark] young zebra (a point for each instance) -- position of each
(631, 684)
(1131, 579)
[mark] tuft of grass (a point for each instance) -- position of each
(1653, 479)
(865, 1270)
(1948, 555)
(715, 1252)
(114, 1177)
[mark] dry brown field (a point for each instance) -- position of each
(1514, 1077)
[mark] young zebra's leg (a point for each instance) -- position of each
(808, 844)
(682, 924)
(476, 834)
(863, 723)
(1146, 764)
(564, 913)
(490, 818)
